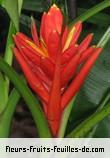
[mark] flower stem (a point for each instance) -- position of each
(65, 117)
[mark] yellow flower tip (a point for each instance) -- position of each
(30, 43)
(92, 34)
(76, 45)
(94, 46)
(32, 19)
(69, 38)
(77, 24)
(48, 13)
(17, 33)
(13, 35)
(55, 7)
(37, 49)
(80, 22)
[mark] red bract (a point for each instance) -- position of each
(54, 64)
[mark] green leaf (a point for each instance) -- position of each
(102, 129)
(101, 19)
(39, 5)
(90, 122)
(20, 3)
(7, 115)
(98, 81)
(3, 93)
(92, 11)
(13, 11)
(1, 2)
(30, 99)
(8, 57)
(25, 23)
(9, 44)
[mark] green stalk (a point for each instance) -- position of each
(65, 117)
(104, 39)
(92, 11)
(8, 52)
(8, 57)
(32, 103)
(89, 123)
(100, 107)
(101, 19)
(13, 28)
(7, 115)
(103, 103)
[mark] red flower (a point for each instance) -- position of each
(54, 65)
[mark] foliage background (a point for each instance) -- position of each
(97, 84)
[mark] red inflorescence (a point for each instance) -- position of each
(54, 64)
